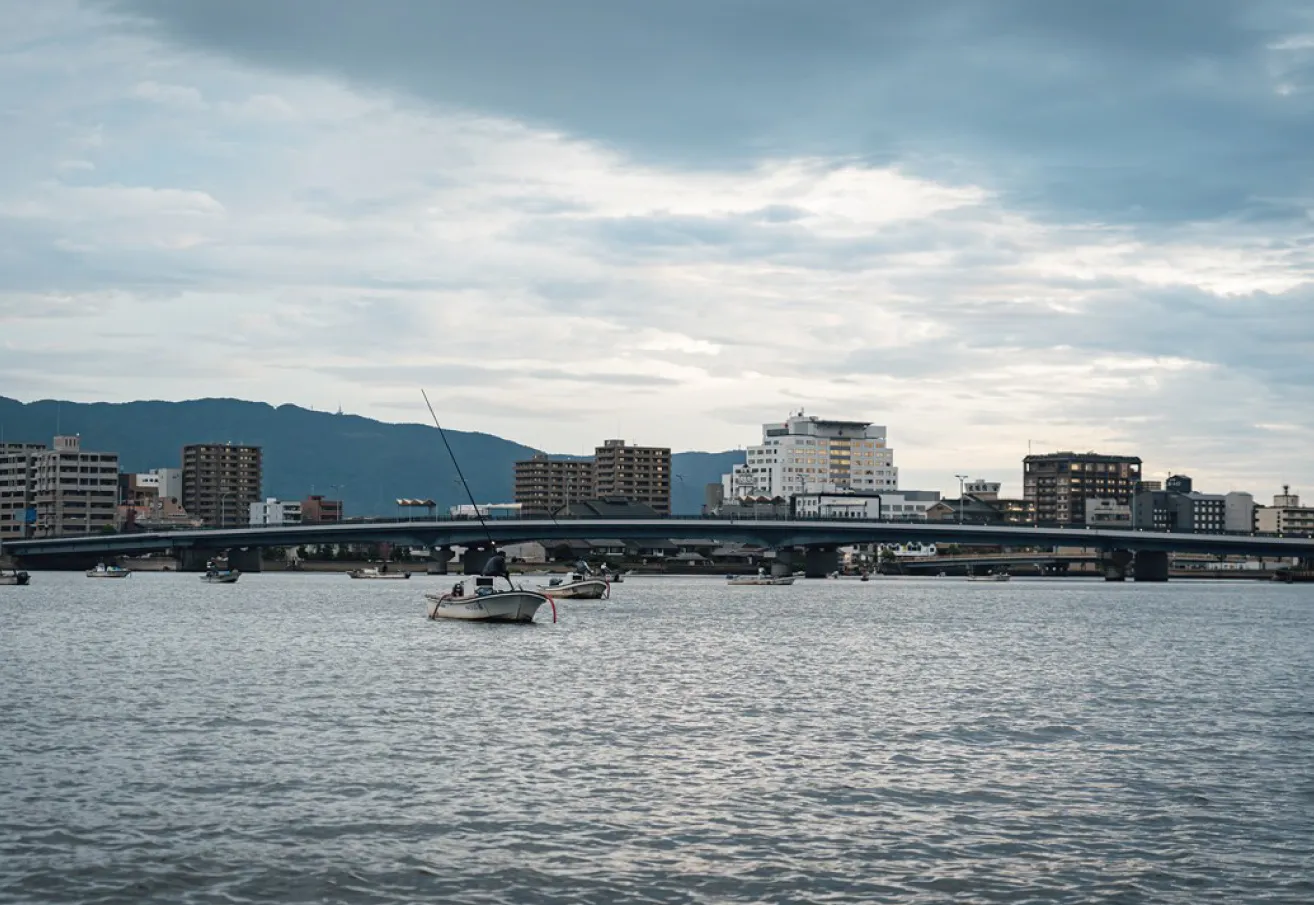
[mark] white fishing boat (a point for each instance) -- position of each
(761, 578)
(378, 573)
(992, 576)
(216, 575)
(110, 571)
(476, 599)
(13, 577)
(581, 584)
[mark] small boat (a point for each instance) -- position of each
(485, 603)
(992, 576)
(381, 573)
(215, 575)
(110, 571)
(581, 584)
(14, 577)
(761, 578)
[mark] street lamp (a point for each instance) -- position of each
(961, 500)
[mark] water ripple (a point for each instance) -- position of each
(301, 738)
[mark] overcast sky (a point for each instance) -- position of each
(1083, 224)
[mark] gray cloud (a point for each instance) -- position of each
(1126, 111)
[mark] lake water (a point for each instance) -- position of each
(307, 738)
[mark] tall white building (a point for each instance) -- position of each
(807, 454)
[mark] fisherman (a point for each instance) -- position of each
(495, 567)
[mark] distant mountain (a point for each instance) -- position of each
(366, 463)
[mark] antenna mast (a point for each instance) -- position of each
(479, 515)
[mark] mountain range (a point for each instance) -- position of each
(367, 464)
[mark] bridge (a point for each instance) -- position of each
(818, 538)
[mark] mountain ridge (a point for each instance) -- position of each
(365, 462)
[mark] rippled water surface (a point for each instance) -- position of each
(299, 738)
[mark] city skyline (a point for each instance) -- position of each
(213, 202)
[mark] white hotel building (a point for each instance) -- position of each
(807, 454)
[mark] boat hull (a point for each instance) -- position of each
(92, 573)
(504, 606)
(590, 589)
(380, 576)
(20, 578)
(222, 578)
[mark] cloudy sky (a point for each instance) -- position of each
(1083, 224)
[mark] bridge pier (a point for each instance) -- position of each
(439, 557)
(474, 559)
(248, 560)
(820, 562)
(192, 560)
(1151, 565)
(1114, 564)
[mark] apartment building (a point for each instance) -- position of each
(74, 491)
(1059, 484)
(544, 485)
(1285, 516)
(220, 481)
(17, 513)
(640, 474)
(806, 454)
(273, 512)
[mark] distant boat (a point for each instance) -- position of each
(110, 571)
(476, 600)
(761, 578)
(215, 575)
(372, 572)
(993, 576)
(581, 585)
(13, 577)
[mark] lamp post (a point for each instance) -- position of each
(961, 500)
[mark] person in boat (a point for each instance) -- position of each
(458, 589)
(496, 567)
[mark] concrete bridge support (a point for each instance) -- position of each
(1151, 565)
(1115, 563)
(247, 560)
(193, 560)
(439, 557)
(782, 568)
(820, 562)
(474, 559)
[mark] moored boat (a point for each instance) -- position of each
(476, 599)
(108, 571)
(377, 573)
(216, 575)
(581, 584)
(14, 577)
(991, 576)
(761, 578)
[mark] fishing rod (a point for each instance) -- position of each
(479, 515)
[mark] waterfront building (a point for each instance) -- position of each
(74, 491)
(896, 505)
(1238, 512)
(316, 510)
(273, 511)
(806, 454)
(1108, 514)
(220, 481)
(1058, 484)
(985, 491)
(641, 474)
(17, 512)
(1285, 516)
(543, 485)
(1185, 513)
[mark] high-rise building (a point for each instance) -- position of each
(806, 454)
(640, 474)
(74, 491)
(543, 485)
(220, 481)
(315, 510)
(17, 513)
(1059, 484)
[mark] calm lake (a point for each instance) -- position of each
(308, 738)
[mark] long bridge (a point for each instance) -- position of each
(1145, 552)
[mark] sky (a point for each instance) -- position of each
(988, 226)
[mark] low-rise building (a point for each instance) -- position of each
(1285, 516)
(1108, 514)
(316, 510)
(273, 511)
(892, 505)
(486, 511)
